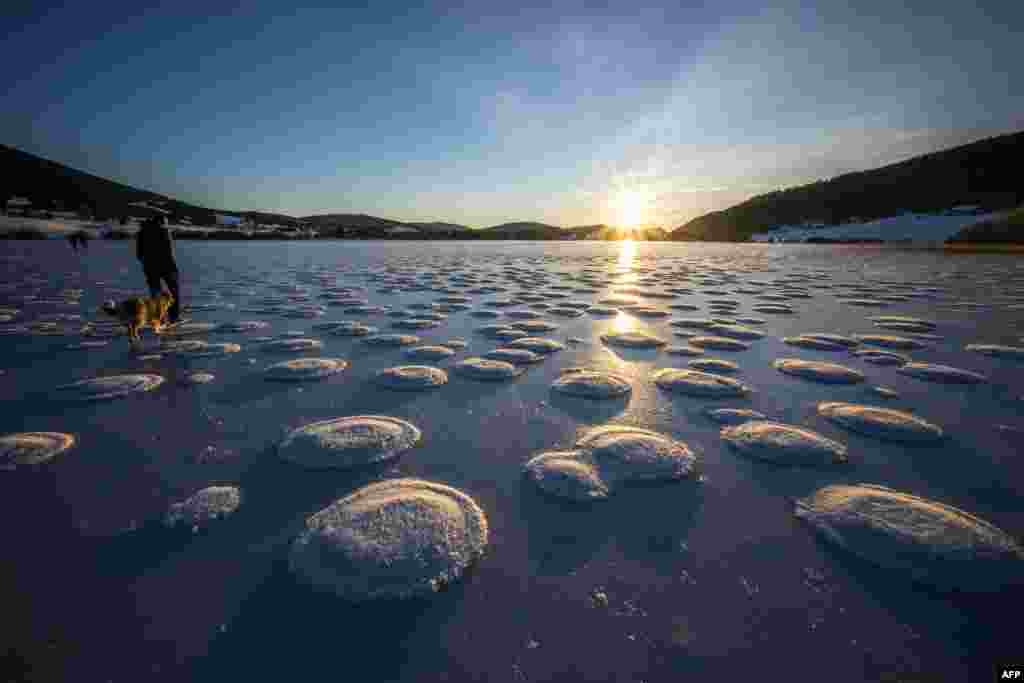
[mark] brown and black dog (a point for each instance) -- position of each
(138, 312)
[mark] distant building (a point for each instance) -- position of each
(225, 220)
(149, 207)
(18, 205)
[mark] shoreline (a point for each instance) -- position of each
(32, 229)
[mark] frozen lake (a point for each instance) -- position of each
(709, 579)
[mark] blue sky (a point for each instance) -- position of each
(485, 112)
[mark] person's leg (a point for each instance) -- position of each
(152, 280)
(171, 278)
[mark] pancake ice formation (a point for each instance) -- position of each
(401, 538)
(607, 458)
(931, 542)
(345, 442)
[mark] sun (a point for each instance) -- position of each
(630, 208)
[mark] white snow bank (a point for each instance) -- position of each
(910, 226)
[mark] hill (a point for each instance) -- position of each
(53, 186)
(264, 218)
(984, 173)
(349, 220)
(589, 232)
(608, 232)
(373, 227)
(357, 225)
(1005, 229)
(523, 231)
(440, 228)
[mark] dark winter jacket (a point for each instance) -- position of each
(155, 247)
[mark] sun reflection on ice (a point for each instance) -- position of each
(623, 322)
(627, 253)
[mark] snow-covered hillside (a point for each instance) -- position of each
(914, 227)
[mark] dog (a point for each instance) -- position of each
(138, 312)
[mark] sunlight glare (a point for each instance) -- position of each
(630, 208)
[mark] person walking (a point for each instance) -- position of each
(154, 247)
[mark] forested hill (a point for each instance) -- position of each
(53, 186)
(523, 231)
(986, 173)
